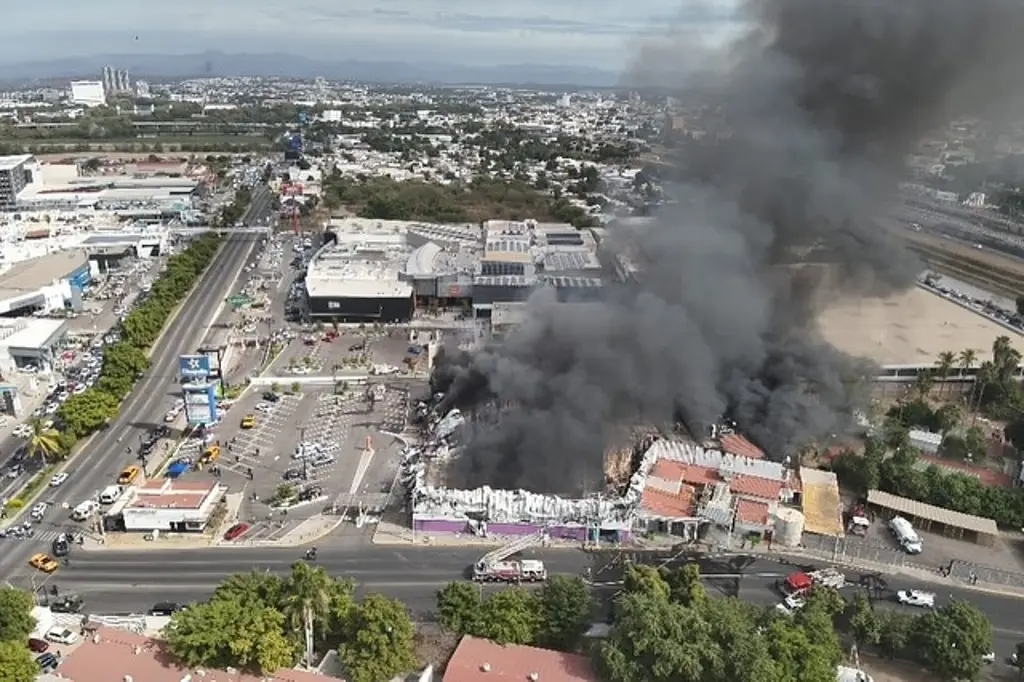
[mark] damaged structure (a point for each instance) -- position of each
(663, 486)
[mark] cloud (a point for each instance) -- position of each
(598, 32)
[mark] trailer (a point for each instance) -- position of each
(496, 566)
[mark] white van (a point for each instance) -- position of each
(905, 534)
(110, 494)
(85, 510)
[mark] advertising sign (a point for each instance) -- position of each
(200, 403)
(194, 366)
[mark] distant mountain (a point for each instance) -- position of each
(214, 63)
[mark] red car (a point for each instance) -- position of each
(236, 531)
(38, 645)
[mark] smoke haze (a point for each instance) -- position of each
(821, 100)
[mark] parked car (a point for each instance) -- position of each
(236, 531)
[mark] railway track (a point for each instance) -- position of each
(1002, 281)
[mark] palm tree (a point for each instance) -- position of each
(968, 356)
(307, 598)
(1005, 358)
(923, 384)
(44, 443)
(944, 366)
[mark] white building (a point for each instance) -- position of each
(163, 504)
(88, 93)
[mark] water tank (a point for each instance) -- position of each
(789, 527)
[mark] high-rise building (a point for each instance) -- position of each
(124, 84)
(109, 76)
(88, 93)
(142, 88)
(13, 178)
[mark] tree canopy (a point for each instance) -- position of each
(665, 628)
(16, 663)
(257, 622)
(482, 199)
(556, 616)
(16, 624)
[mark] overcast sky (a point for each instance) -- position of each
(602, 33)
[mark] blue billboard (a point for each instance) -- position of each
(81, 277)
(193, 367)
(200, 403)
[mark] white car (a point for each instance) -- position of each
(791, 604)
(916, 598)
(266, 408)
(39, 511)
(62, 636)
(22, 430)
(58, 479)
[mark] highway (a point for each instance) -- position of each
(99, 463)
(120, 582)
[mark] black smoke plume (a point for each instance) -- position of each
(817, 104)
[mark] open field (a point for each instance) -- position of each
(911, 327)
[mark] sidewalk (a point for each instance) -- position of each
(393, 534)
(308, 531)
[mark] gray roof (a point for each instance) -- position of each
(28, 277)
(928, 512)
(570, 260)
(504, 281)
(563, 281)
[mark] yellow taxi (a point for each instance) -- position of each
(249, 421)
(211, 454)
(129, 475)
(43, 562)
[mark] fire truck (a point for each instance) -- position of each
(800, 582)
(496, 566)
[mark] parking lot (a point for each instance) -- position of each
(314, 443)
(345, 351)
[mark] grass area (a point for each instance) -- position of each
(31, 488)
(482, 199)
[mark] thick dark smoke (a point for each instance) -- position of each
(821, 100)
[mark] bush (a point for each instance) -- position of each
(15, 503)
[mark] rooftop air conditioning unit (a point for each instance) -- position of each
(486, 667)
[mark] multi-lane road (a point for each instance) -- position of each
(98, 464)
(131, 582)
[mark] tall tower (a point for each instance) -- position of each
(109, 80)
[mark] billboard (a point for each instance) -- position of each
(200, 403)
(194, 367)
(80, 278)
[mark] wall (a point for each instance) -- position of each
(577, 533)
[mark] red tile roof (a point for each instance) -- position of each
(668, 505)
(120, 654)
(736, 444)
(755, 486)
(695, 475)
(480, 660)
(750, 511)
(668, 469)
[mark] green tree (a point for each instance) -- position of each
(223, 633)
(459, 608)
(565, 612)
(262, 587)
(685, 587)
(307, 596)
(952, 640)
(16, 621)
(646, 579)
(378, 641)
(864, 624)
(86, 412)
(944, 365)
(44, 442)
(16, 663)
(894, 633)
(123, 359)
(511, 616)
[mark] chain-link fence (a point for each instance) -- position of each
(859, 550)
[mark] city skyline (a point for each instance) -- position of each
(600, 33)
